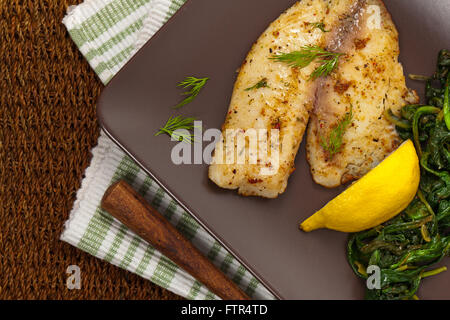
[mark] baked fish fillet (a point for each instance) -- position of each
(368, 81)
(283, 100)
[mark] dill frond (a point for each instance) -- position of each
(319, 25)
(260, 84)
(195, 85)
(177, 123)
(301, 59)
(333, 143)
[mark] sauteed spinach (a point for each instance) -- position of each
(406, 248)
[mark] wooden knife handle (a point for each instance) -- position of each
(126, 205)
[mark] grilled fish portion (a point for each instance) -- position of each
(270, 95)
(368, 81)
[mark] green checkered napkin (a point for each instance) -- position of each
(108, 33)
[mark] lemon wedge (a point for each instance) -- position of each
(376, 198)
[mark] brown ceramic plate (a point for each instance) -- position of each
(211, 38)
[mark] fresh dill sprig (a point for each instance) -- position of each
(308, 54)
(260, 84)
(195, 85)
(327, 66)
(178, 123)
(319, 25)
(333, 143)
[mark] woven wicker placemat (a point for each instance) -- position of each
(47, 127)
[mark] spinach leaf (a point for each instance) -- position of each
(408, 246)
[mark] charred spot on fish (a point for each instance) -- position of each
(254, 181)
(347, 178)
(276, 124)
(361, 43)
(341, 86)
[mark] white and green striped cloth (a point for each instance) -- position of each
(108, 33)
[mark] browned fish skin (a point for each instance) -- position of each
(370, 80)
